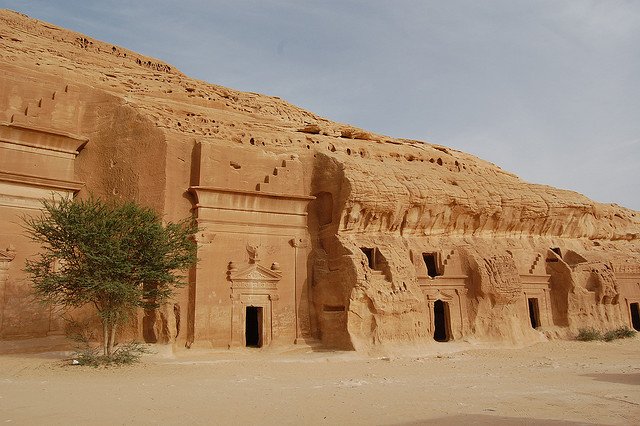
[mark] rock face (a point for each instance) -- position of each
(310, 230)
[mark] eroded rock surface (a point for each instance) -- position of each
(310, 230)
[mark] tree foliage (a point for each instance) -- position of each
(116, 256)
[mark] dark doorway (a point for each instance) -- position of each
(635, 316)
(557, 251)
(441, 321)
(370, 253)
(253, 327)
(430, 262)
(534, 312)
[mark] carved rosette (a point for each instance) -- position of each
(299, 242)
(204, 237)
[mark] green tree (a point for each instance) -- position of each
(116, 256)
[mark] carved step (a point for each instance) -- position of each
(37, 111)
(535, 263)
(32, 110)
(46, 105)
(308, 342)
(58, 94)
(274, 181)
(69, 88)
(446, 260)
(19, 119)
(378, 276)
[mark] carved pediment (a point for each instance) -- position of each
(440, 295)
(255, 276)
(255, 272)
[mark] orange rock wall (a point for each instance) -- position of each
(310, 231)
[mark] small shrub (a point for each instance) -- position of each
(123, 354)
(623, 332)
(87, 353)
(588, 334)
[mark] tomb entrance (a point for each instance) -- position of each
(534, 312)
(253, 327)
(441, 321)
(251, 287)
(635, 315)
(370, 253)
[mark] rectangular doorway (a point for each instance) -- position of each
(253, 327)
(441, 325)
(635, 315)
(534, 312)
(371, 256)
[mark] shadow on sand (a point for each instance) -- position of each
(482, 419)
(625, 379)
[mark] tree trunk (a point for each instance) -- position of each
(112, 339)
(105, 338)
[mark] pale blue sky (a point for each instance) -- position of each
(547, 89)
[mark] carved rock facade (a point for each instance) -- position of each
(310, 230)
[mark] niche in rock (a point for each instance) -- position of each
(431, 264)
(371, 256)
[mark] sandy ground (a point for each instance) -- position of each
(555, 382)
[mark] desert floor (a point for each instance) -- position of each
(556, 382)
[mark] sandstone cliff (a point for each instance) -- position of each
(384, 208)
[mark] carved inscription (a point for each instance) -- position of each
(262, 285)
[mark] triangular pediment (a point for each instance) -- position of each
(256, 272)
(441, 295)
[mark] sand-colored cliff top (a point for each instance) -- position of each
(391, 185)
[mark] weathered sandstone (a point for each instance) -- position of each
(310, 230)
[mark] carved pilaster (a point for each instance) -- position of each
(6, 256)
(300, 245)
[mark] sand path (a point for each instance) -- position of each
(548, 383)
